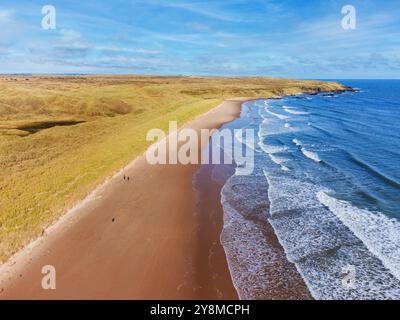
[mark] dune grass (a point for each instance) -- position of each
(61, 136)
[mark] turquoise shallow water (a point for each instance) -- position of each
(332, 167)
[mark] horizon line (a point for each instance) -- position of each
(181, 75)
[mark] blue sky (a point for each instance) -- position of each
(300, 39)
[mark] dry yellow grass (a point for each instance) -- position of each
(61, 136)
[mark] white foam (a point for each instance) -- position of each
(311, 155)
(264, 128)
(379, 233)
(271, 149)
(287, 125)
(297, 142)
(255, 263)
(287, 193)
(314, 238)
(278, 160)
(321, 245)
(273, 126)
(278, 115)
(294, 111)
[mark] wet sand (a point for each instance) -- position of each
(142, 238)
(211, 258)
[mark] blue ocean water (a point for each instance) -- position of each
(332, 166)
(356, 135)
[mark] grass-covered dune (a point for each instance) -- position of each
(61, 136)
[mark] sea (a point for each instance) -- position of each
(327, 181)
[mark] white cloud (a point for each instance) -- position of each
(120, 49)
(69, 35)
(6, 16)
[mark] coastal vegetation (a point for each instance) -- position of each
(62, 136)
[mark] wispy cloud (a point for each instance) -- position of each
(6, 16)
(224, 37)
(213, 9)
(196, 26)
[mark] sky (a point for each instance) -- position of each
(287, 38)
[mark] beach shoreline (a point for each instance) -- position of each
(119, 243)
(103, 250)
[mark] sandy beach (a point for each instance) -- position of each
(199, 151)
(132, 239)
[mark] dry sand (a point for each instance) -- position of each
(136, 239)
